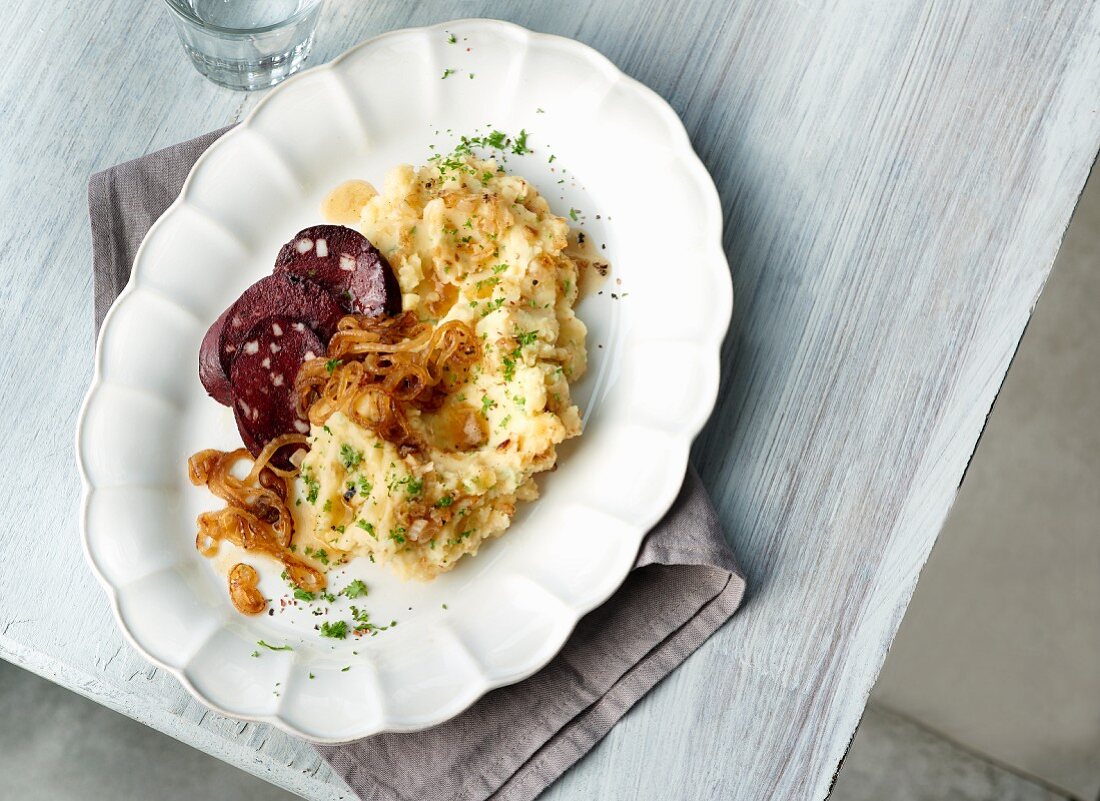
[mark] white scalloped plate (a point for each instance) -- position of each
(623, 155)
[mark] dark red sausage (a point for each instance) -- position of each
(262, 375)
(211, 372)
(283, 295)
(344, 262)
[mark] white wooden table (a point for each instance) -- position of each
(896, 178)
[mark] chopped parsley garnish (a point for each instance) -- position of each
(487, 282)
(492, 306)
(313, 486)
(321, 556)
(256, 654)
(345, 669)
(444, 502)
(520, 146)
(499, 269)
(487, 403)
(573, 214)
(274, 647)
(447, 73)
(331, 365)
(415, 486)
(337, 630)
(303, 595)
(451, 39)
(328, 505)
(525, 338)
(350, 457)
(509, 368)
(364, 486)
(367, 527)
(355, 589)
(398, 534)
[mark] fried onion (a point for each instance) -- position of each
(376, 366)
(256, 516)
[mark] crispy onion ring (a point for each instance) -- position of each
(256, 516)
(377, 367)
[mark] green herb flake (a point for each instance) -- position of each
(447, 73)
(345, 669)
(304, 595)
(451, 38)
(444, 502)
(337, 630)
(354, 590)
(367, 527)
(520, 146)
(274, 647)
(350, 457)
(313, 486)
(492, 306)
(331, 365)
(573, 214)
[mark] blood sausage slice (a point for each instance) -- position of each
(283, 295)
(262, 375)
(211, 373)
(344, 262)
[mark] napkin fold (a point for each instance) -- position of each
(515, 741)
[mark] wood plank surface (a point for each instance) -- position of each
(896, 178)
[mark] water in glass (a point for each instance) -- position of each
(246, 44)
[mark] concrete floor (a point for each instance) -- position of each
(1000, 647)
(58, 746)
(894, 759)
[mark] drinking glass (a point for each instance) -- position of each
(246, 44)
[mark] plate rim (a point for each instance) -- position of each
(681, 440)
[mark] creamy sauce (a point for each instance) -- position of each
(343, 205)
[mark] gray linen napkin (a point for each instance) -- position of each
(515, 741)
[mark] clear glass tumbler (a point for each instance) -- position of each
(246, 44)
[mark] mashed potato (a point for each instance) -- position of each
(467, 242)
